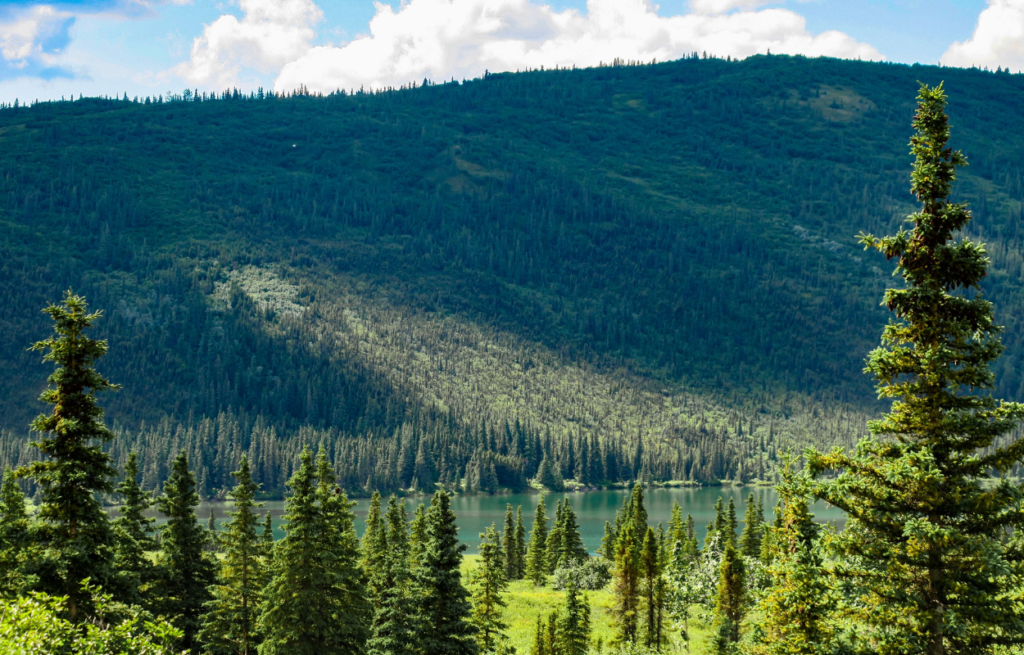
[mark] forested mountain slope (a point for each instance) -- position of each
(630, 270)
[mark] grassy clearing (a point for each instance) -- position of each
(526, 603)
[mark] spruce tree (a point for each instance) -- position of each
(627, 570)
(729, 604)
(489, 581)
(417, 536)
(652, 594)
(443, 612)
(536, 556)
(229, 625)
(315, 602)
(393, 632)
(213, 544)
(510, 554)
(551, 645)
(374, 547)
(266, 552)
(338, 558)
(798, 608)
(553, 542)
(76, 534)
(574, 625)
(16, 547)
(731, 523)
(520, 544)
(607, 549)
(753, 529)
(922, 545)
(538, 647)
(186, 569)
(136, 574)
(572, 551)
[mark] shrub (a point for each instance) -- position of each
(590, 575)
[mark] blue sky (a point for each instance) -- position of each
(150, 47)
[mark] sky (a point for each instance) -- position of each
(50, 50)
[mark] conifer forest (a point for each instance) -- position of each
(782, 272)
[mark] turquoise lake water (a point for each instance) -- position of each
(593, 508)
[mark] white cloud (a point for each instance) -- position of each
(30, 40)
(722, 6)
(270, 34)
(440, 39)
(998, 38)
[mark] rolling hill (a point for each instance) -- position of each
(645, 270)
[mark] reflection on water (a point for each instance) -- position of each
(592, 508)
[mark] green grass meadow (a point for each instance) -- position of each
(526, 603)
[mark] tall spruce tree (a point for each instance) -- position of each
(553, 542)
(922, 544)
(229, 625)
(510, 546)
(520, 544)
(753, 529)
(417, 536)
(338, 558)
(315, 602)
(186, 569)
(393, 631)
(76, 535)
(572, 551)
(627, 571)
(444, 611)
(133, 540)
(489, 581)
(729, 605)
(374, 547)
(536, 556)
(652, 594)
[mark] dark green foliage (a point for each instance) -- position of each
(417, 537)
(521, 550)
(729, 606)
(133, 540)
(574, 624)
(512, 556)
(229, 625)
(922, 548)
(393, 630)
(211, 529)
(799, 609)
(443, 609)
(374, 547)
(186, 569)
(489, 581)
(607, 548)
(549, 476)
(753, 529)
(571, 551)
(536, 554)
(316, 600)
(553, 543)
(76, 534)
(16, 544)
(538, 647)
(522, 203)
(628, 571)
(652, 594)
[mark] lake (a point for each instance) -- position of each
(593, 508)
